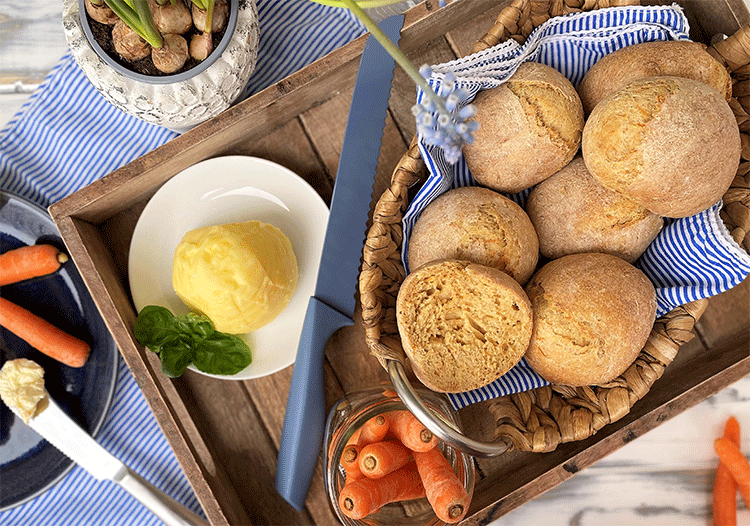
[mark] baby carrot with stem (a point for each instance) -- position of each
(359, 498)
(29, 262)
(410, 431)
(447, 496)
(380, 458)
(731, 456)
(42, 335)
(725, 487)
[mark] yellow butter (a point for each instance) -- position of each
(22, 387)
(240, 275)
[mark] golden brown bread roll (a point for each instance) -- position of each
(670, 144)
(572, 213)
(530, 127)
(462, 325)
(592, 316)
(673, 58)
(478, 225)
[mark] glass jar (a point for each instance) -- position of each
(348, 415)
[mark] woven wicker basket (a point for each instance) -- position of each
(540, 419)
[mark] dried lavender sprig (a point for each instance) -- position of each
(440, 126)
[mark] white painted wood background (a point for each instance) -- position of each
(663, 478)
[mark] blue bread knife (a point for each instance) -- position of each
(332, 306)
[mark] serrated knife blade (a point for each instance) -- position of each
(55, 426)
(332, 306)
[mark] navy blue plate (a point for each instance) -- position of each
(29, 465)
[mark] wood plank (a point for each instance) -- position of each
(727, 311)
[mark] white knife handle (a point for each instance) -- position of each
(169, 511)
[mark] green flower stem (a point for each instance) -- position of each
(396, 53)
(136, 14)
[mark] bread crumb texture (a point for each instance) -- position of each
(462, 325)
(478, 225)
(592, 316)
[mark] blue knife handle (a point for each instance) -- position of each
(304, 420)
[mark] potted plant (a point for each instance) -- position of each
(138, 64)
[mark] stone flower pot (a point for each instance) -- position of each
(180, 101)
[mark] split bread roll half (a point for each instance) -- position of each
(572, 214)
(674, 58)
(530, 127)
(670, 144)
(462, 325)
(592, 316)
(479, 225)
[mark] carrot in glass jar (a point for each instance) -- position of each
(380, 458)
(447, 496)
(350, 462)
(29, 262)
(359, 498)
(410, 431)
(374, 430)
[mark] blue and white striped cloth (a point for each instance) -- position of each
(692, 258)
(67, 136)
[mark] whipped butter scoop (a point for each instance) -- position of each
(240, 275)
(22, 388)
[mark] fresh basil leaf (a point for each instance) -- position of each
(175, 359)
(190, 338)
(222, 354)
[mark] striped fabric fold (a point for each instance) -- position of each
(65, 137)
(692, 258)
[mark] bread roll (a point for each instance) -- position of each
(592, 316)
(670, 144)
(530, 127)
(478, 225)
(572, 213)
(462, 325)
(673, 57)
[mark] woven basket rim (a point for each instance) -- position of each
(541, 419)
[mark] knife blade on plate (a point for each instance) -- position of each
(55, 426)
(332, 306)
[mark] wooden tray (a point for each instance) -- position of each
(226, 434)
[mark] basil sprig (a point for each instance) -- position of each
(190, 338)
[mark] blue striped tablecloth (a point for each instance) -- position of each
(52, 148)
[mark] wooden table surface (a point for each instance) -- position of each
(663, 478)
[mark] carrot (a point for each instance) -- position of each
(42, 335)
(28, 262)
(731, 456)
(373, 430)
(732, 432)
(410, 431)
(364, 496)
(350, 462)
(380, 458)
(725, 487)
(447, 496)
